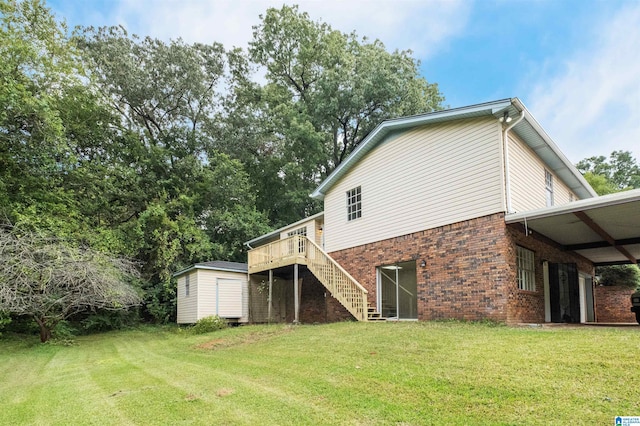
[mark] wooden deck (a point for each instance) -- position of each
(302, 251)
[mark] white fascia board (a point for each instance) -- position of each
(388, 126)
(210, 268)
(552, 145)
(576, 206)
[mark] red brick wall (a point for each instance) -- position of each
(317, 305)
(470, 270)
(613, 304)
(466, 274)
(528, 306)
(470, 273)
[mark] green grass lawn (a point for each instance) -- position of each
(345, 373)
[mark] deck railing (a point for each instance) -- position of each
(278, 253)
(300, 249)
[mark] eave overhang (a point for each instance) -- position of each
(262, 239)
(528, 129)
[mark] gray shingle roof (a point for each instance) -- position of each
(216, 265)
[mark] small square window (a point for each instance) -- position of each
(526, 269)
(354, 203)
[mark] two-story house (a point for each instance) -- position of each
(469, 213)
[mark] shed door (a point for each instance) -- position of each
(229, 298)
(564, 292)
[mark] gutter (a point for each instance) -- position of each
(507, 172)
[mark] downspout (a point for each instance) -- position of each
(507, 172)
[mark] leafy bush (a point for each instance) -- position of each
(622, 275)
(4, 320)
(109, 320)
(64, 331)
(209, 324)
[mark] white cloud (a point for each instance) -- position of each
(422, 26)
(592, 106)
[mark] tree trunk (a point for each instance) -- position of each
(45, 331)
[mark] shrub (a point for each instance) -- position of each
(621, 275)
(209, 324)
(109, 320)
(4, 320)
(64, 331)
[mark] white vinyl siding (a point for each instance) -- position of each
(420, 179)
(308, 228)
(187, 305)
(227, 287)
(318, 230)
(213, 292)
(528, 186)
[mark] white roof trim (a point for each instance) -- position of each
(388, 126)
(279, 230)
(552, 145)
(211, 268)
(583, 189)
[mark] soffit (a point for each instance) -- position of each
(605, 230)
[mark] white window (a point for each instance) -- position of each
(354, 203)
(526, 269)
(186, 285)
(301, 243)
(300, 231)
(548, 180)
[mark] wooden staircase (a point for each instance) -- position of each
(340, 284)
(373, 314)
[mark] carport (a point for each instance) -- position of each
(605, 230)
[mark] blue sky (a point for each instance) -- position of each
(574, 64)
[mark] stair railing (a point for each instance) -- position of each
(339, 282)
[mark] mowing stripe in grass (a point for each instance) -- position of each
(348, 373)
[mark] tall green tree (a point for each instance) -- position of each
(325, 91)
(619, 173)
(186, 202)
(37, 66)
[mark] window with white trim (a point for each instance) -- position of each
(548, 181)
(300, 231)
(526, 269)
(186, 285)
(354, 203)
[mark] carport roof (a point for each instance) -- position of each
(605, 230)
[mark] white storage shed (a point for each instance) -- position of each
(213, 288)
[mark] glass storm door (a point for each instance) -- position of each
(564, 292)
(397, 291)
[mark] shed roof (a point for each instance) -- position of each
(528, 129)
(216, 265)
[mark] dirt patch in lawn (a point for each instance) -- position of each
(245, 339)
(210, 344)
